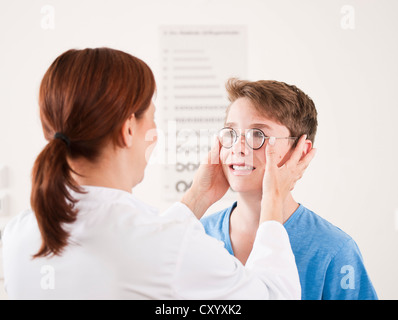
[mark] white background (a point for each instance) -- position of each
(351, 74)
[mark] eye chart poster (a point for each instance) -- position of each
(196, 61)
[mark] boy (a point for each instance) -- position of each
(329, 262)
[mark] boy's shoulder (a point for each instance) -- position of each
(322, 225)
(308, 226)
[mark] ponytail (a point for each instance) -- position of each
(50, 198)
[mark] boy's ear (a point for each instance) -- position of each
(128, 129)
(307, 148)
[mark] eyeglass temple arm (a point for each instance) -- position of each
(293, 138)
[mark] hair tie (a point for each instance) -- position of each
(63, 137)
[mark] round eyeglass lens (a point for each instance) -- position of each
(255, 138)
(227, 137)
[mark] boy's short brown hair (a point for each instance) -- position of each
(281, 102)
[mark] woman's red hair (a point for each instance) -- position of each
(86, 95)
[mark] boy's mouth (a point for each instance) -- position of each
(241, 169)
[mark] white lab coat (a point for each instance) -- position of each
(120, 248)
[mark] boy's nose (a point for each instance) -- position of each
(240, 147)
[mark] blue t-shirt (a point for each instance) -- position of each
(328, 260)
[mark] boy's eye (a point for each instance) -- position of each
(258, 134)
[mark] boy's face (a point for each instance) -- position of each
(243, 116)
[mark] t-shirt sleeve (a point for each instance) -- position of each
(346, 277)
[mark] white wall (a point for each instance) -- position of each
(351, 74)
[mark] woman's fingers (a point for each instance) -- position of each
(303, 164)
(307, 159)
(270, 158)
(297, 163)
(214, 154)
(298, 152)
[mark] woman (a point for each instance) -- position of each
(88, 237)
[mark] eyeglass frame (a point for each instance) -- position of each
(265, 137)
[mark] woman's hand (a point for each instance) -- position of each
(209, 184)
(279, 181)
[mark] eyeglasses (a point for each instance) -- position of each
(255, 138)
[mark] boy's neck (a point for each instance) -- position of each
(247, 212)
